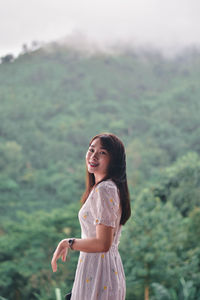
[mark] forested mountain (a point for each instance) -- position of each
(52, 101)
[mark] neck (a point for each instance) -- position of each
(98, 178)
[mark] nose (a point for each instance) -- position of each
(94, 155)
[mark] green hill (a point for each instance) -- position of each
(52, 101)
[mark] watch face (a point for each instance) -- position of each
(71, 241)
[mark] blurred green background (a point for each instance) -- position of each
(52, 102)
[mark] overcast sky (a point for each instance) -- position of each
(169, 24)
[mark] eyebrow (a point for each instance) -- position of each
(100, 148)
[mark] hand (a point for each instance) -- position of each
(61, 251)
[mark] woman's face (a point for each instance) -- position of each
(97, 160)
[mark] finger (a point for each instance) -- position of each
(62, 254)
(54, 265)
(65, 254)
(57, 254)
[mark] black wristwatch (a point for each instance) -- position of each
(71, 242)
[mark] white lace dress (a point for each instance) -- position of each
(100, 275)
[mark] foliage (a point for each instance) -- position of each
(26, 251)
(180, 183)
(53, 100)
(154, 238)
(185, 292)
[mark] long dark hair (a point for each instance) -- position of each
(116, 172)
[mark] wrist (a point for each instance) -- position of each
(71, 243)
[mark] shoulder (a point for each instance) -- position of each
(107, 187)
(107, 184)
(106, 195)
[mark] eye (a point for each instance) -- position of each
(91, 150)
(103, 152)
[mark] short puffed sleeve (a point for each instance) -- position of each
(105, 204)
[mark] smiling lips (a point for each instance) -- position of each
(93, 164)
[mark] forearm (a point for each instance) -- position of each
(90, 245)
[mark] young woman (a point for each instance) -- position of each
(106, 207)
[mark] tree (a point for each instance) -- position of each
(191, 254)
(179, 183)
(154, 238)
(7, 58)
(186, 291)
(26, 252)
